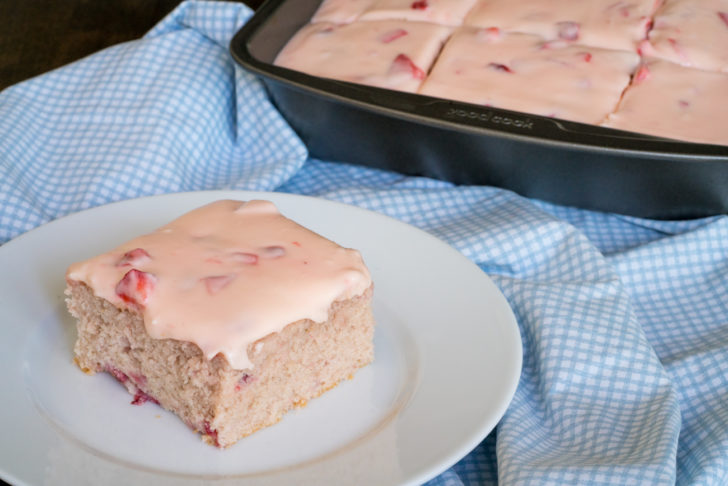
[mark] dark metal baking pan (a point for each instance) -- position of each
(559, 161)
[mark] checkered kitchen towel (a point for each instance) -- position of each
(624, 320)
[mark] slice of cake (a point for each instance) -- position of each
(669, 100)
(612, 24)
(690, 33)
(228, 316)
(523, 72)
(388, 54)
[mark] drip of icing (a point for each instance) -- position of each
(226, 275)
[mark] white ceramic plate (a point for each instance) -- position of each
(447, 362)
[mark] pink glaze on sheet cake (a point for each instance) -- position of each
(564, 59)
(388, 54)
(690, 33)
(669, 100)
(612, 24)
(525, 73)
(218, 275)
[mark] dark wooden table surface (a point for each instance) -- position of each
(40, 35)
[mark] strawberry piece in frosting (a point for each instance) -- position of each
(273, 251)
(244, 258)
(585, 56)
(568, 30)
(133, 258)
(392, 35)
(136, 287)
(500, 67)
(490, 33)
(403, 64)
(724, 17)
(140, 398)
(642, 74)
(245, 379)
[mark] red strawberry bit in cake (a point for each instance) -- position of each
(724, 17)
(140, 398)
(419, 5)
(500, 67)
(326, 31)
(644, 48)
(134, 258)
(392, 35)
(679, 51)
(211, 433)
(490, 34)
(139, 380)
(555, 44)
(136, 287)
(403, 64)
(246, 379)
(133, 384)
(568, 30)
(117, 373)
(642, 74)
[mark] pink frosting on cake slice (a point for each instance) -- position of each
(226, 275)
(691, 33)
(524, 73)
(669, 100)
(613, 24)
(445, 12)
(388, 54)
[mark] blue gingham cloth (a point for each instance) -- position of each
(624, 320)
